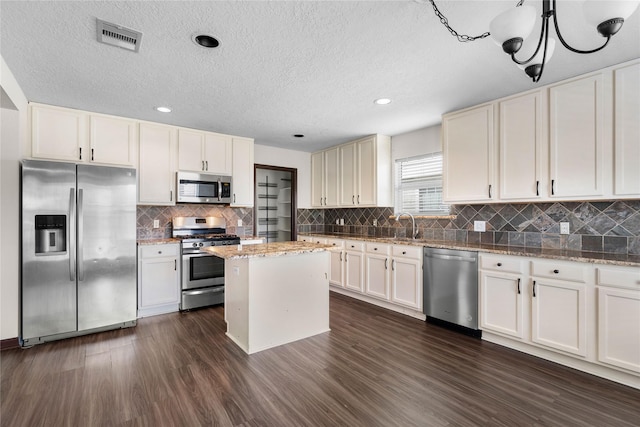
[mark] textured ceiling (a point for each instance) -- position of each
(283, 67)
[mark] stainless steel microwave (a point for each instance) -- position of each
(196, 187)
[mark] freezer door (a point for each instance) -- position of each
(106, 246)
(48, 283)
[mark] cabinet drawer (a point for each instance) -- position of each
(336, 243)
(501, 263)
(407, 251)
(378, 248)
(619, 277)
(573, 272)
(352, 245)
(158, 251)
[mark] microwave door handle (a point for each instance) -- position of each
(219, 190)
(71, 228)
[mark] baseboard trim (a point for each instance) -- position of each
(9, 343)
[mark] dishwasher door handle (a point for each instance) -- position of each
(451, 257)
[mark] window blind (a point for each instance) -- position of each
(419, 185)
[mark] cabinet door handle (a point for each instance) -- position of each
(375, 249)
(345, 257)
(489, 190)
(341, 256)
(518, 286)
(537, 188)
(171, 195)
(325, 201)
(385, 264)
(353, 200)
(404, 252)
(556, 271)
(80, 153)
(393, 265)
(175, 265)
(358, 199)
(534, 288)
(234, 197)
(92, 154)
(203, 165)
(499, 264)
(206, 165)
(553, 185)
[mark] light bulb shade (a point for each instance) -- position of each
(551, 46)
(599, 11)
(514, 23)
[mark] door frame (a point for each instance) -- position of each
(294, 197)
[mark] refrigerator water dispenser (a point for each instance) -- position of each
(51, 234)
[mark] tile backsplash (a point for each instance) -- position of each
(146, 215)
(606, 226)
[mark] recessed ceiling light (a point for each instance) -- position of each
(205, 40)
(298, 135)
(382, 101)
(163, 109)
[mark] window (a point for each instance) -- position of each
(419, 185)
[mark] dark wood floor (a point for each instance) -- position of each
(375, 368)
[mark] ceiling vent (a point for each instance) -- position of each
(117, 35)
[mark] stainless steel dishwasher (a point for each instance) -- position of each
(451, 289)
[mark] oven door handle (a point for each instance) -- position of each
(212, 290)
(219, 190)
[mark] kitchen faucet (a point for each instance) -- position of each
(414, 233)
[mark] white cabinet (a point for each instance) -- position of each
(354, 266)
(501, 295)
(242, 166)
(377, 264)
(364, 168)
(469, 155)
(58, 133)
(324, 178)
(627, 131)
(157, 165)
(158, 279)
(77, 136)
(521, 139)
(356, 174)
(336, 271)
(406, 276)
(113, 140)
(559, 306)
(204, 152)
(577, 138)
(619, 317)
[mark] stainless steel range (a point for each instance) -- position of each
(202, 274)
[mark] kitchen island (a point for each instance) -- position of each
(275, 293)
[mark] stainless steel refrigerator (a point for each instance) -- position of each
(78, 250)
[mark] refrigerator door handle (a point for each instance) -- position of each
(80, 236)
(71, 228)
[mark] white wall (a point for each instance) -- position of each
(416, 143)
(300, 160)
(13, 126)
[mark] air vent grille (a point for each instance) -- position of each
(119, 36)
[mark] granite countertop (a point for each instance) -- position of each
(146, 242)
(266, 249)
(558, 254)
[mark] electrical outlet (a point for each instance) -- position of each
(375, 222)
(337, 222)
(479, 226)
(239, 223)
(156, 223)
(341, 221)
(564, 228)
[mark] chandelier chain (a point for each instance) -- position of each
(461, 37)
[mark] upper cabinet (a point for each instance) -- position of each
(157, 169)
(469, 155)
(577, 138)
(242, 185)
(204, 152)
(627, 131)
(356, 174)
(72, 135)
(574, 140)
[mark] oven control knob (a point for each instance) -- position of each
(201, 244)
(195, 245)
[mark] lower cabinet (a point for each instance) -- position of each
(406, 276)
(354, 265)
(377, 260)
(158, 279)
(582, 315)
(619, 317)
(336, 272)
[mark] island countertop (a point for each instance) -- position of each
(266, 249)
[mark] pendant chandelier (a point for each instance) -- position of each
(511, 28)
